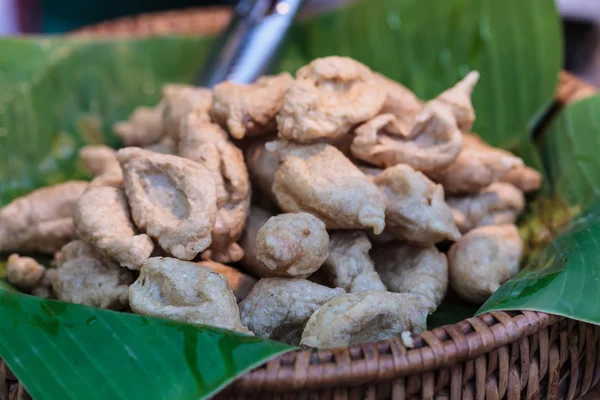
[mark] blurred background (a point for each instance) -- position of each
(581, 22)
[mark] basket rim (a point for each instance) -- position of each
(363, 363)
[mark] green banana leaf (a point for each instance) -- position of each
(58, 94)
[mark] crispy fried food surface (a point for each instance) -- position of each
(239, 282)
(365, 316)
(320, 180)
(103, 220)
(84, 276)
(24, 272)
(484, 259)
(415, 207)
(180, 100)
(349, 265)
(278, 308)
(168, 202)
(329, 97)
(40, 221)
(262, 166)
(208, 145)
(186, 292)
(412, 269)
(249, 110)
(292, 245)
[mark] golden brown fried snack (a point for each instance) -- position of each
(103, 220)
(99, 159)
(434, 141)
(477, 166)
(400, 101)
(415, 207)
(498, 204)
(186, 292)
(172, 199)
(249, 110)
(24, 272)
(179, 101)
(84, 276)
(262, 165)
(144, 126)
(292, 245)
(525, 178)
(458, 99)
(40, 221)
(330, 96)
(484, 259)
(208, 145)
(409, 269)
(278, 308)
(349, 264)
(366, 316)
(258, 217)
(239, 282)
(320, 180)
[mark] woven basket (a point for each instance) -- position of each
(500, 355)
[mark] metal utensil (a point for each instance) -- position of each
(250, 42)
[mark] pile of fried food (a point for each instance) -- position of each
(354, 182)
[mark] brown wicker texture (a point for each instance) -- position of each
(498, 355)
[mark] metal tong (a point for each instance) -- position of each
(249, 44)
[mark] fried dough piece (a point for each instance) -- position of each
(179, 101)
(400, 101)
(484, 259)
(349, 264)
(477, 166)
(24, 272)
(249, 110)
(172, 199)
(262, 166)
(409, 269)
(415, 207)
(330, 96)
(320, 180)
(186, 292)
(258, 217)
(292, 245)
(239, 282)
(103, 220)
(278, 308)
(144, 126)
(84, 276)
(99, 159)
(208, 145)
(525, 178)
(458, 99)
(366, 316)
(498, 204)
(163, 146)
(40, 221)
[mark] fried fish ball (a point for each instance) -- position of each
(258, 217)
(167, 201)
(498, 204)
(525, 178)
(239, 282)
(249, 110)
(349, 263)
(292, 245)
(415, 207)
(400, 101)
(143, 128)
(320, 180)
(262, 166)
(477, 166)
(410, 269)
(330, 96)
(208, 145)
(180, 100)
(40, 221)
(366, 316)
(186, 292)
(99, 159)
(484, 259)
(24, 272)
(103, 220)
(84, 276)
(278, 308)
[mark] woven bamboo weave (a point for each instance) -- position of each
(500, 355)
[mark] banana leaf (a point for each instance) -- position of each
(58, 94)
